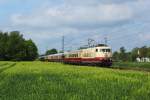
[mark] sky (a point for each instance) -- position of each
(124, 22)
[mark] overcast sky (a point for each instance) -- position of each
(123, 22)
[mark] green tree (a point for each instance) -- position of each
(123, 55)
(129, 56)
(31, 50)
(149, 52)
(14, 47)
(116, 56)
(52, 51)
(3, 45)
(143, 51)
(134, 54)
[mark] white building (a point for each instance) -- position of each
(143, 59)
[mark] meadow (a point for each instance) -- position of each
(56, 81)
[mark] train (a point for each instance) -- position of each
(100, 55)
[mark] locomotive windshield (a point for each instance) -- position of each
(105, 50)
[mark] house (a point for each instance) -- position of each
(143, 59)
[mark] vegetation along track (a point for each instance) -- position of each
(132, 66)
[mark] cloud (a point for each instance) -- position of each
(82, 19)
(75, 17)
(96, 2)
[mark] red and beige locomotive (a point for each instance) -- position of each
(98, 55)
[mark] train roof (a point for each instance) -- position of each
(101, 45)
(94, 46)
(56, 54)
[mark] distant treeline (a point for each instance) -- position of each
(123, 55)
(13, 47)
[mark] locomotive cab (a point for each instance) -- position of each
(104, 54)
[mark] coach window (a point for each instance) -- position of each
(96, 50)
(104, 50)
(100, 50)
(76, 55)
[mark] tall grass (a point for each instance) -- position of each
(55, 81)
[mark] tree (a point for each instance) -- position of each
(149, 52)
(143, 51)
(129, 56)
(31, 50)
(52, 51)
(14, 47)
(123, 55)
(134, 54)
(3, 45)
(116, 56)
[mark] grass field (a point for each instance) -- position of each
(55, 81)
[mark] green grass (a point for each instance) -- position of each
(55, 81)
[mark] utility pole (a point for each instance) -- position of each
(63, 43)
(106, 40)
(63, 47)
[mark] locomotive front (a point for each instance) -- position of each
(104, 54)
